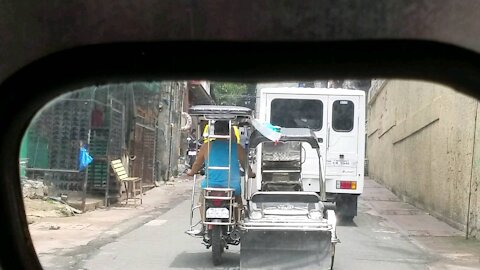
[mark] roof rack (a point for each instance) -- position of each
(215, 112)
(288, 135)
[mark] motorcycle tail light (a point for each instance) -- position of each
(217, 202)
(217, 194)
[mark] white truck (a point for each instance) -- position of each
(337, 117)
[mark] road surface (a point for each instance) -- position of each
(387, 234)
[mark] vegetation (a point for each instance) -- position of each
(244, 94)
(238, 94)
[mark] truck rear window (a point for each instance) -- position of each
(342, 116)
(297, 113)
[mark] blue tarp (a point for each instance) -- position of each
(83, 159)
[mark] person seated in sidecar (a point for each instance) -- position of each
(219, 149)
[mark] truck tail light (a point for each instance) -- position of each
(346, 184)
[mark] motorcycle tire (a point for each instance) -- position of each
(333, 259)
(191, 161)
(217, 245)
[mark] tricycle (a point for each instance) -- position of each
(282, 225)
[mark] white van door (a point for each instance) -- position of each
(302, 111)
(342, 143)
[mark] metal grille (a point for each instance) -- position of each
(116, 129)
(144, 149)
(146, 103)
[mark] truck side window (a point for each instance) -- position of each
(297, 113)
(343, 115)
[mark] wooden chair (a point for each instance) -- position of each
(133, 185)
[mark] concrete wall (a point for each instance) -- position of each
(168, 132)
(421, 144)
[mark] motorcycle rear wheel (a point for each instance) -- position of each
(217, 245)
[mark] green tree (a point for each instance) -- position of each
(237, 94)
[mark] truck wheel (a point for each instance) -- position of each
(346, 218)
(346, 207)
(217, 245)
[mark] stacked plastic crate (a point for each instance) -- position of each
(66, 124)
(98, 170)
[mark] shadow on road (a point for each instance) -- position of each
(203, 260)
(346, 223)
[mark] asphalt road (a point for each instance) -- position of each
(387, 234)
(370, 242)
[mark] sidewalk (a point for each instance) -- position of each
(57, 236)
(446, 244)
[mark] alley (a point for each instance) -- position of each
(387, 234)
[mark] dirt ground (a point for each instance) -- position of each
(36, 209)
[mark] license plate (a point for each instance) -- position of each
(217, 213)
(192, 153)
